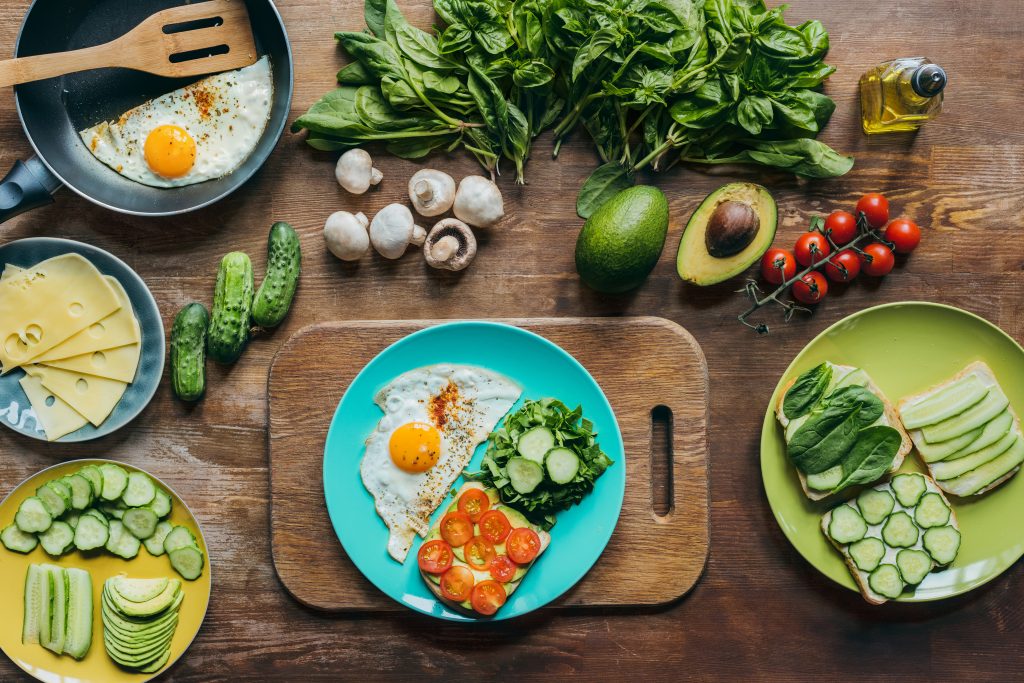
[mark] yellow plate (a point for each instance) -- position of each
(96, 667)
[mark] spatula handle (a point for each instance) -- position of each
(28, 69)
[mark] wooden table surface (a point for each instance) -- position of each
(760, 611)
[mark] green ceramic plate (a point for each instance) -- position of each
(907, 347)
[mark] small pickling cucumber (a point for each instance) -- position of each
(931, 511)
(942, 543)
(17, 540)
(276, 292)
(846, 525)
(914, 565)
(867, 553)
(886, 581)
(908, 488)
(188, 352)
(900, 531)
(232, 308)
(875, 505)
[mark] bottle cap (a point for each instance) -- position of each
(928, 80)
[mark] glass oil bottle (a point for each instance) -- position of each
(900, 95)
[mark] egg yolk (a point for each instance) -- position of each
(170, 151)
(415, 447)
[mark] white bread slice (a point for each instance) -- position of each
(890, 415)
(983, 370)
(861, 577)
(510, 587)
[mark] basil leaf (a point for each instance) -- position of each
(532, 74)
(871, 456)
(806, 391)
(604, 183)
(598, 44)
(754, 113)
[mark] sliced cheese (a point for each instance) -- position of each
(93, 397)
(56, 417)
(120, 363)
(117, 329)
(48, 303)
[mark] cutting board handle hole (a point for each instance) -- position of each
(662, 486)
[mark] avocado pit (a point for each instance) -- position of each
(731, 228)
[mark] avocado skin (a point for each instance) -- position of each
(621, 242)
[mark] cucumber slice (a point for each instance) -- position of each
(846, 525)
(523, 474)
(34, 579)
(72, 517)
(45, 604)
(900, 531)
(562, 465)
(161, 504)
(886, 581)
(942, 543)
(58, 610)
(188, 562)
(115, 481)
(951, 469)
(993, 432)
(867, 553)
(827, 480)
(914, 565)
(982, 477)
(78, 637)
(32, 516)
(112, 510)
(97, 515)
(52, 495)
(976, 416)
(875, 505)
(81, 492)
(58, 539)
(534, 443)
(140, 490)
(141, 522)
(931, 511)
(17, 540)
(95, 477)
(951, 400)
(90, 533)
(178, 537)
(120, 542)
(934, 452)
(155, 543)
(908, 488)
(855, 377)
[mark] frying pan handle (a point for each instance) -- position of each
(28, 185)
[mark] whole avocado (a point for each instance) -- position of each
(621, 242)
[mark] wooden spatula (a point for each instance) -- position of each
(191, 40)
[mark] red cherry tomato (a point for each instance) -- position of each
(435, 557)
(487, 597)
(878, 260)
(456, 528)
(841, 226)
(479, 552)
(876, 208)
(523, 545)
(811, 247)
(474, 503)
(811, 288)
(843, 267)
(494, 526)
(503, 569)
(777, 266)
(457, 584)
(904, 235)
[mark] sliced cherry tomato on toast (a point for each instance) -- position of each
(503, 569)
(435, 557)
(494, 526)
(457, 584)
(488, 597)
(522, 545)
(456, 528)
(474, 503)
(479, 552)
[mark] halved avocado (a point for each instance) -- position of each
(728, 232)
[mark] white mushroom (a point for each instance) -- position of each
(432, 192)
(478, 202)
(450, 245)
(355, 171)
(346, 236)
(393, 230)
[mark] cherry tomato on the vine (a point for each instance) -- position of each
(876, 208)
(811, 288)
(880, 262)
(841, 226)
(811, 247)
(843, 267)
(777, 266)
(904, 235)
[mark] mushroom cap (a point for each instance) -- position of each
(478, 202)
(393, 229)
(355, 171)
(439, 250)
(432, 192)
(346, 236)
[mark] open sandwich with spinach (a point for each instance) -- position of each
(894, 534)
(840, 430)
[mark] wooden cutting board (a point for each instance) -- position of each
(654, 375)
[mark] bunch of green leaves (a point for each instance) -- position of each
(571, 431)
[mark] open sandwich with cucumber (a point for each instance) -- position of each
(103, 507)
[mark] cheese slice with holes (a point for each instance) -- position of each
(120, 363)
(56, 417)
(94, 397)
(117, 329)
(44, 305)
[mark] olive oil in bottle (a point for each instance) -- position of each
(900, 95)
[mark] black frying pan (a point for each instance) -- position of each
(53, 111)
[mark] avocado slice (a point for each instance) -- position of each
(150, 607)
(138, 590)
(728, 232)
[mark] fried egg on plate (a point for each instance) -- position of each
(434, 418)
(201, 132)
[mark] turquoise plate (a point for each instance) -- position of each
(542, 369)
(15, 411)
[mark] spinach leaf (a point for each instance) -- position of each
(373, 14)
(870, 457)
(355, 74)
(807, 391)
(604, 183)
(831, 430)
(377, 56)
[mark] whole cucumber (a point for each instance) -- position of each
(284, 260)
(232, 308)
(188, 352)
